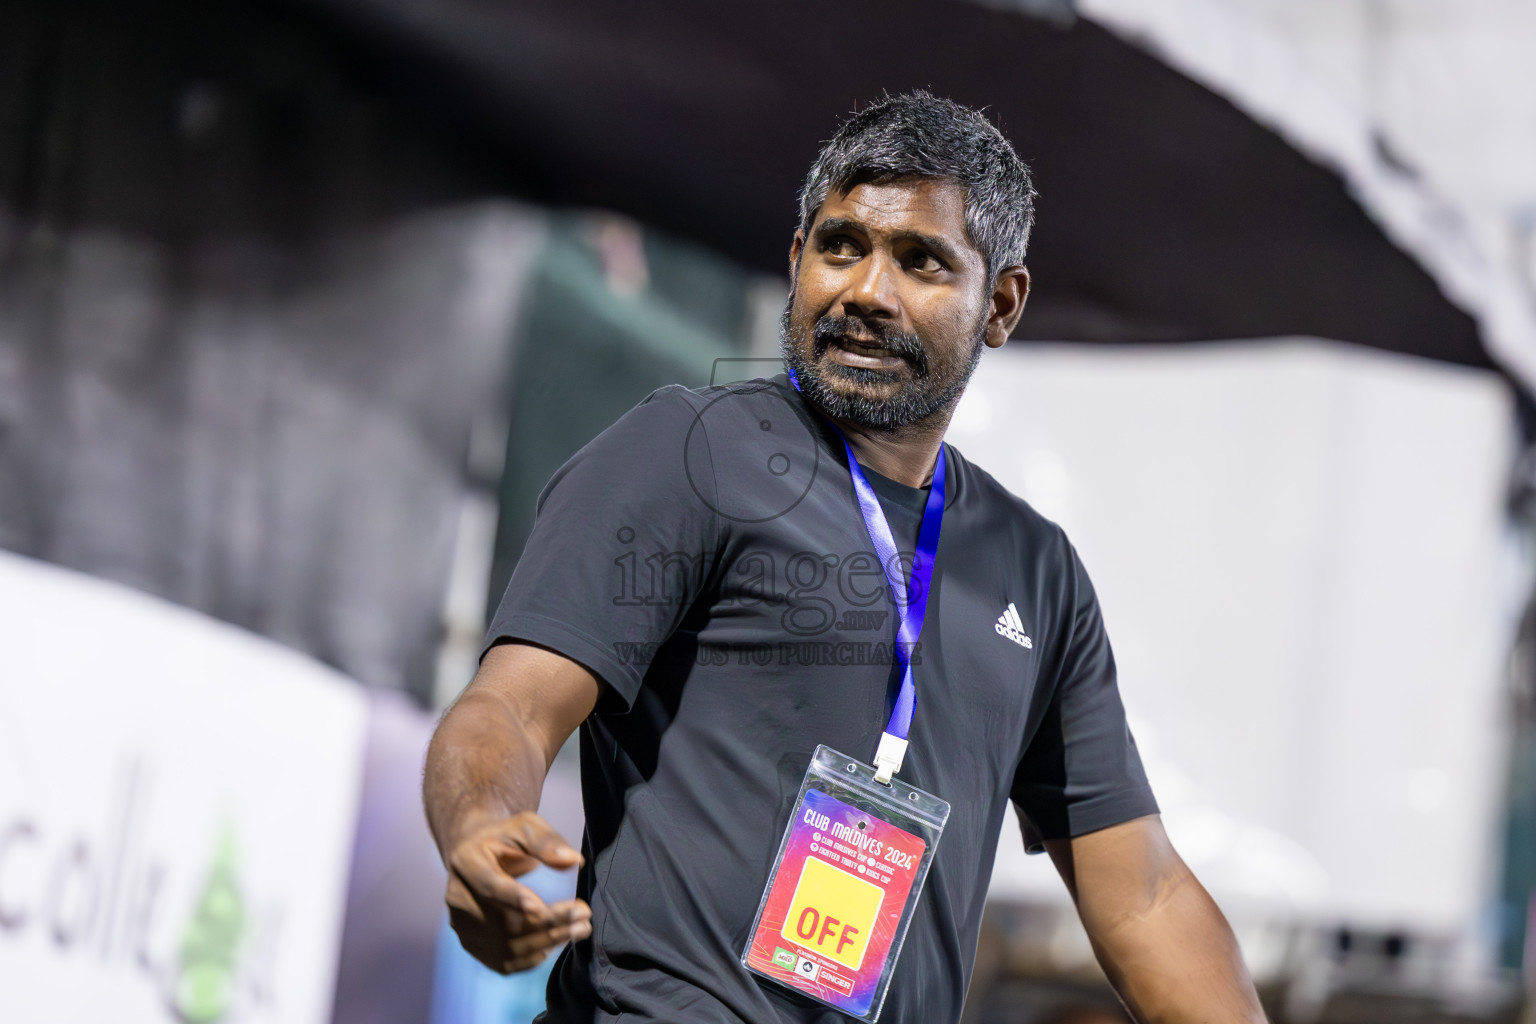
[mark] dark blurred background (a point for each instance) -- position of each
(302, 302)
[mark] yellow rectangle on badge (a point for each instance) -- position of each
(833, 912)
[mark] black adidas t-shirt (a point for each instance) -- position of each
(705, 556)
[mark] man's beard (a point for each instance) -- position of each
(929, 389)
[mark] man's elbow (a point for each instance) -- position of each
(1162, 893)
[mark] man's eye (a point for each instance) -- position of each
(926, 263)
(840, 247)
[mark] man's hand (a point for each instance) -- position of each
(501, 922)
(1161, 939)
(485, 769)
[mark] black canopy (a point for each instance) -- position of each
(1166, 214)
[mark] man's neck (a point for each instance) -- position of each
(906, 455)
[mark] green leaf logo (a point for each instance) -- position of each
(205, 977)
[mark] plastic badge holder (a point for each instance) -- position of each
(844, 885)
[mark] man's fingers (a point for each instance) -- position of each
(571, 910)
(532, 835)
(553, 916)
(483, 878)
(508, 941)
(514, 847)
(521, 963)
(486, 944)
(501, 922)
(546, 939)
(460, 898)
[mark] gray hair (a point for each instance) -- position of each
(917, 134)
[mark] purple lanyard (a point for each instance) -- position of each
(910, 613)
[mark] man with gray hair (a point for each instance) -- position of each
(730, 586)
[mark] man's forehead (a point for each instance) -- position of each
(933, 206)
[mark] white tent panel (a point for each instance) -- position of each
(1297, 547)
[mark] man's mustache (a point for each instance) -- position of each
(902, 344)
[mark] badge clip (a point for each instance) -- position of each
(888, 757)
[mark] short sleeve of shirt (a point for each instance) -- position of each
(622, 542)
(1081, 771)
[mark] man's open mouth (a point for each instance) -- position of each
(869, 355)
(858, 346)
(851, 343)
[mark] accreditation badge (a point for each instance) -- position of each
(844, 885)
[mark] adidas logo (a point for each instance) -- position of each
(1010, 626)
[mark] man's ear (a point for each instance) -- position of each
(1006, 304)
(796, 247)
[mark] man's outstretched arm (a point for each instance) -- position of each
(485, 770)
(1159, 936)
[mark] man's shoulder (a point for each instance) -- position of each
(753, 420)
(675, 409)
(743, 394)
(721, 408)
(993, 500)
(752, 437)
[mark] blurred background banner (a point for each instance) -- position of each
(302, 302)
(176, 809)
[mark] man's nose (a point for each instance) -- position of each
(872, 292)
